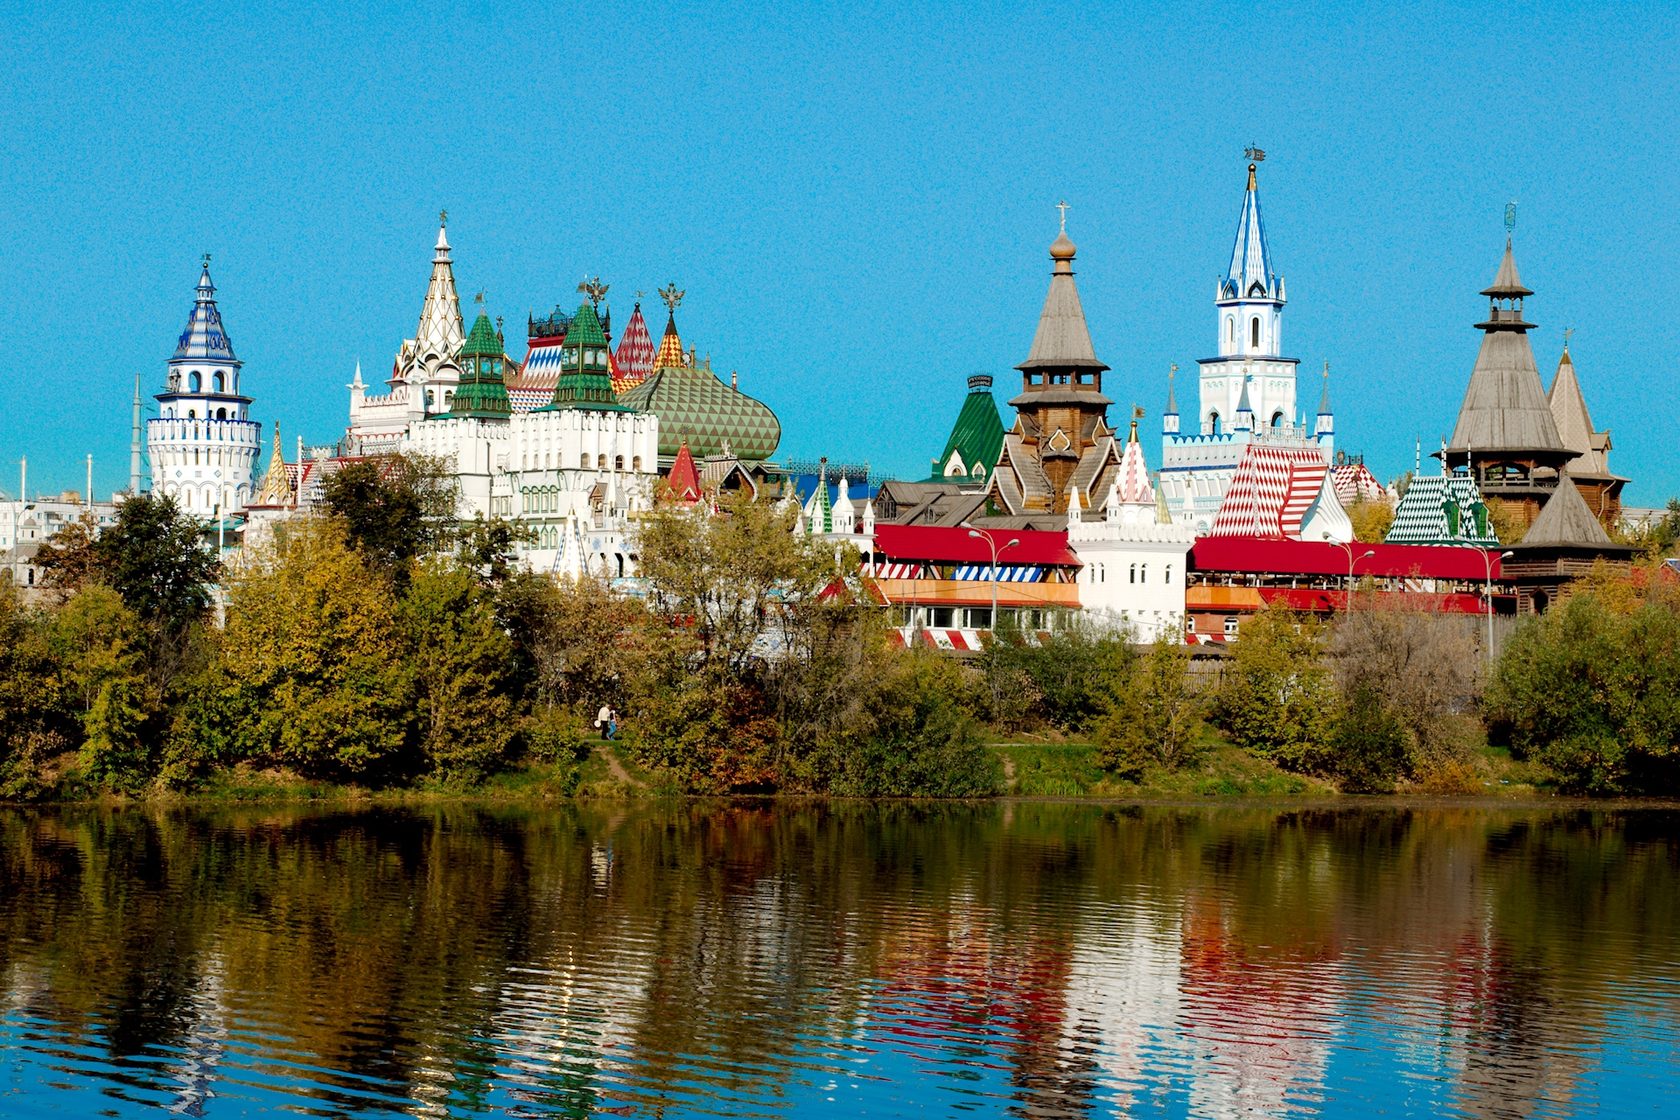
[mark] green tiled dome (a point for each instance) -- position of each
(693, 404)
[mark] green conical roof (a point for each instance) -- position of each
(482, 341)
(482, 392)
(585, 366)
(976, 437)
(586, 327)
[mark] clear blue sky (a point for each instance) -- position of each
(857, 199)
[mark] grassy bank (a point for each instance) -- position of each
(1032, 766)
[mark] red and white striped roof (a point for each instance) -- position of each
(1354, 482)
(1272, 492)
(1132, 484)
(634, 356)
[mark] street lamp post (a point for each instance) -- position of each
(1352, 560)
(1487, 584)
(991, 543)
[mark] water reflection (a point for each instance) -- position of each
(1037, 960)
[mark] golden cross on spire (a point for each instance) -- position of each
(1064, 208)
(443, 217)
(671, 296)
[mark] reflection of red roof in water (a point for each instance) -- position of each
(957, 977)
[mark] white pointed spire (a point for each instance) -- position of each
(1250, 274)
(440, 334)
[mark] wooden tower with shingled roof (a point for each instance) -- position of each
(1506, 434)
(1061, 442)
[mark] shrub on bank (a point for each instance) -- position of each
(1594, 693)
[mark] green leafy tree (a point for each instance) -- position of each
(36, 724)
(460, 663)
(315, 655)
(99, 647)
(395, 508)
(733, 579)
(1594, 693)
(1275, 696)
(1152, 717)
(1369, 744)
(1063, 678)
(488, 547)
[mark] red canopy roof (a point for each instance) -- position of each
(1270, 555)
(941, 544)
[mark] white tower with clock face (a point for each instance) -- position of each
(203, 444)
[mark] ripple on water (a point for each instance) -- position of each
(1048, 960)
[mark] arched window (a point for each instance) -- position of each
(193, 381)
(1143, 573)
(636, 464)
(1231, 329)
(1213, 422)
(192, 414)
(1131, 574)
(1254, 331)
(583, 460)
(1167, 578)
(1277, 419)
(221, 414)
(618, 462)
(600, 462)
(216, 382)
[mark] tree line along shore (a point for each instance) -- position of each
(385, 646)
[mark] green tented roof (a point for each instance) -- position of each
(482, 341)
(692, 403)
(977, 435)
(586, 328)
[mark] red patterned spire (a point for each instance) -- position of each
(683, 481)
(634, 357)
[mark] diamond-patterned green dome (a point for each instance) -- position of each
(692, 403)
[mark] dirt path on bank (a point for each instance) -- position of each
(615, 767)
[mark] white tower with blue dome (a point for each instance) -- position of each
(203, 445)
(1247, 394)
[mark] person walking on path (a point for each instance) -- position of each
(604, 720)
(612, 723)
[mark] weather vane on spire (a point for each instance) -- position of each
(207, 260)
(1567, 331)
(1064, 208)
(1510, 217)
(1254, 154)
(479, 299)
(443, 217)
(671, 296)
(595, 290)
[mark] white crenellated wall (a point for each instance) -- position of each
(205, 465)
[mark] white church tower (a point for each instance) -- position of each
(203, 444)
(1247, 393)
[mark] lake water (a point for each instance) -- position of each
(704, 960)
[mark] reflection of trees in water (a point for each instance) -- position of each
(609, 957)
